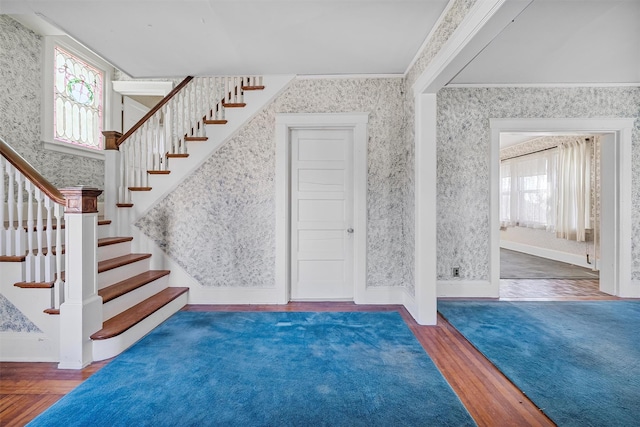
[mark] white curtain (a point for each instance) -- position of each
(573, 198)
(527, 193)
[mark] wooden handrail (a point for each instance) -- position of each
(30, 173)
(151, 112)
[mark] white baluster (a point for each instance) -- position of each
(49, 258)
(148, 154)
(259, 81)
(207, 98)
(58, 286)
(11, 206)
(39, 259)
(239, 91)
(156, 143)
(122, 172)
(139, 159)
(3, 200)
(131, 171)
(20, 237)
(167, 142)
(183, 123)
(30, 259)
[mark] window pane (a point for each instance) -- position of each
(77, 101)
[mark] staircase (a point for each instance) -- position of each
(141, 166)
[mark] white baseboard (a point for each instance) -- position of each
(569, 258)
(28, 347)
(468, 289)
(409, 303)
(381, 295)
(632, 291)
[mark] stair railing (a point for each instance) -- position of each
(166, 129)
(33, 238)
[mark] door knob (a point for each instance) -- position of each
(349, 230)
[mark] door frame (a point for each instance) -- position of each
(618, 221)
(357, 123)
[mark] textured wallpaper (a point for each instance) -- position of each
(220, 223)
(463, 161)
(12, 319)
(20, 98)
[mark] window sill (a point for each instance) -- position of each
(76, 151)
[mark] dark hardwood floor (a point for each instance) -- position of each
(27, 389)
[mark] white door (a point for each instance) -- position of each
(322, 214)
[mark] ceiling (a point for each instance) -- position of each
(161, 38)
(563, 41)
(550, 42)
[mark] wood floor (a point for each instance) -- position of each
(27, 389)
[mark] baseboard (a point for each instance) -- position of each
(566, 257)
(409, 303)
(467, 289)
(28, 347)
(381, 295)
(632, 291)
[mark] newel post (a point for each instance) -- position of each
(111, 177)
(81, 312)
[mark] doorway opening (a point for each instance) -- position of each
(550, 214)
(612, 251)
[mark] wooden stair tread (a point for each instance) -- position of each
(34, 285)
(124, 205)
(118, 289)
(128, 318)
(139, 188)
(196, 138)
(52, 311)
(234, 104)
(54, 226)
(215, 122)
(110, 264)
(252, 87)
(153, 172)
(12, 258)
(104, 241)
(177, 155)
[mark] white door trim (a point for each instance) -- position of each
(284, 124)
(621, 283)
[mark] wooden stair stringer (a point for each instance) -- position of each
(217, 135)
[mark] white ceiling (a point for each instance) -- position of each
(162, 38)
(563, 41)
(552, 41)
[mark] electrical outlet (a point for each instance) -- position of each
(455, 271)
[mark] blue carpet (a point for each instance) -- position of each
(267, 369)
(578, 361)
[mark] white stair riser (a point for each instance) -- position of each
(104, 231)
(116, 275)
(113, 251)
(105, 349)
(128, 300)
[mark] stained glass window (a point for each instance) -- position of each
(77, 101)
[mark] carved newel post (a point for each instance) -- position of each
(81, 312)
